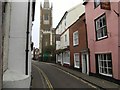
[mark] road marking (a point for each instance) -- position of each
(43, 82)
(45, 77)
(77, 77)
(70, 75)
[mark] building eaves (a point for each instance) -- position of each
(85, 2)
(77, 19)
(68, 11)
(74, 7)
(61, 19)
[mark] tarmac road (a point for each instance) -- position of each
(45, 75)
(38, 80)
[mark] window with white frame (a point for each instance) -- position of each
(101, 27)
(105, 64)
(96, 3)
(65, 37)
(59, 57)
(65, 21)
(67, 57)
(76, 60)
(75, 38)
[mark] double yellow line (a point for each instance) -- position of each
(45, 77)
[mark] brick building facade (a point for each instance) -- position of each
(78, 45)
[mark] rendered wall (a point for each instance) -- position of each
(108, 45)
(15, 76)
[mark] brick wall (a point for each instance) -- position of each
(79, 26)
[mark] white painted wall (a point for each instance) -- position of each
(15, 76)
(61, 28)
(64, 44)
(17, 39)
(58, 42)
(69, 18)
(6, 29)
(73, 14)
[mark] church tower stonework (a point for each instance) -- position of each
(46, 29)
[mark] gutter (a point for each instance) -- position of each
(27, 38)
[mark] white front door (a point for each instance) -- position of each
(76, 60)
(85, 63)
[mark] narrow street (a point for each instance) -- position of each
(38, 81)
(45, 75)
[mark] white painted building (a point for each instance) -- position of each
(62, 31)
(1, 46)
(17, 41)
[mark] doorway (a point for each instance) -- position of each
(85, 63)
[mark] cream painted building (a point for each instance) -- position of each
(62, 31)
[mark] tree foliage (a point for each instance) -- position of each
(49, 49)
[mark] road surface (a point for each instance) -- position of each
(45, 75)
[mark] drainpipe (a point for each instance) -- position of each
(86, 33)
(27, 38)
(87, 45)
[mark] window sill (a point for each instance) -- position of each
(67, 63)
(76, 66)
(75, 45)
(106, 74)
(98, 39)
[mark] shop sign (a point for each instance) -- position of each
(105, 4)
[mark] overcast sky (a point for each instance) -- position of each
(59, 8)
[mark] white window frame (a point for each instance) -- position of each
(76, 60)
(103, 61)
(101, 27)
(59, 57)
(66, 57)
(65, 37)
(75, 38)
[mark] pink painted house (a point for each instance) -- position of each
(103, 31)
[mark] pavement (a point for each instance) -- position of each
(101, 83)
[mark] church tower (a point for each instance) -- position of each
(45, 25)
